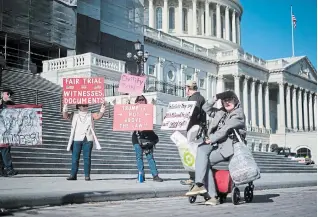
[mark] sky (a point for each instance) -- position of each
(266, 28)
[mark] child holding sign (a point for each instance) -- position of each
(82, 137)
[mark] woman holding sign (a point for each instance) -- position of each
(82, 137)
(144, 142)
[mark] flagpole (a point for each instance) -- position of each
(292, 29)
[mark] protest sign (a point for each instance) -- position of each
(178, 115)
(21, 125)
(133, 117)
(83, 90)
(134, 85)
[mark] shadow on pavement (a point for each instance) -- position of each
(266, 198)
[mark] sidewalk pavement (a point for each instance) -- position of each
(29, 190)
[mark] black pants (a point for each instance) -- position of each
(6, 161)
(192, 175)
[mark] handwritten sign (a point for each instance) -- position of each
(134, 85)
(133, 117)
(178, 115)
(21, 125)
(83, 90)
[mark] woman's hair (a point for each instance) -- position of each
(79, 105)
(141, 97)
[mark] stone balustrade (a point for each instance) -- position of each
(178, 42)
(238, 55)
(276, 64)
(84, 60)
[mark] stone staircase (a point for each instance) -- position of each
(117, 154)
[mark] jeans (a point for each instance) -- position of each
(140, 162)
(87, 147)
(6, 157)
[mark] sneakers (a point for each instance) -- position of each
(87, 178)
(196, 190)
(157, 179)
(71, 178)
(186, 182)
(11, 172)
(213, 201)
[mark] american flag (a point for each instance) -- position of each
(294, 21)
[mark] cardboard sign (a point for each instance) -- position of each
(134, 85)
(83, 90)
(21, 125)
(131, 117)
(178, 115)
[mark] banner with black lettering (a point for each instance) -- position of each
(21, 125)
(178, 115)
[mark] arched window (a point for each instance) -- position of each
(171, 18)
(159, 18)
(304, 152)
(185, 20)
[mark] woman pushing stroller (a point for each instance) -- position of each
(218, 145)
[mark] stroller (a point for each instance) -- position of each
(224, 186)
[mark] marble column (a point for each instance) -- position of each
(234, 26)
(218, 21)
(300, 109)
(212, 23)
(179, 24)
(165, 14)
(183, 68)
(151, 15)
(267, 111)
(238, 30)
(305, 110)
(260, 105)
(315, 110)
(209, 87)
(294, 109)
(253, 102)
(214, 84)
(194, 17)
(245, 99)
(311, 114)
(227, 23)
(288, 106)
(237, 86)
(207, 19)
(281, 116)
(220, 84)
(161, 62)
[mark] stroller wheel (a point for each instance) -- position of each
(248, 194)
(236, 197)
(192, 199)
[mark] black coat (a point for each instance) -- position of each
(4, 104)
(198, 116)
(148, 135)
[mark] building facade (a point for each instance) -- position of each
(201, 40)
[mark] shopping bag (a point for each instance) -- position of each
(187, 151)
(243, 168)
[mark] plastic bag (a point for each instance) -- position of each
(243, 168)
(187, 151)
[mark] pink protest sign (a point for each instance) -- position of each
(131, 117)
(131, 84)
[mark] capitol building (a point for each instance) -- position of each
(201, 40)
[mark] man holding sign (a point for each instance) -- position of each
(197, 120)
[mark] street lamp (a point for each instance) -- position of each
(140, 57)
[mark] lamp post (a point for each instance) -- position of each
(140, 57)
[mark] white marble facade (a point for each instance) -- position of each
(279, 96)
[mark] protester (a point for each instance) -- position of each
(219, 146)
(82, 137)
(6, 161)
(197, 121)
(144, 142)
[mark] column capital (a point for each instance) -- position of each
(246, 77)
(194, 1)
(197, 70)
(295, 86)
(161, 61)
(289, 85)
(227, 8)
(234, 11)
(294, 90)
(237, 76)
(183, 67)
(301, 88)
(261, 82)
(220, 77)
(254, 80)
(281, 83)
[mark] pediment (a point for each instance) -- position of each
(303, 68)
